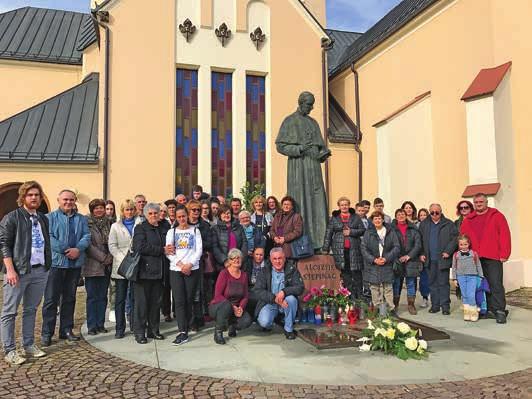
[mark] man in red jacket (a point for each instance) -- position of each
(490, 238)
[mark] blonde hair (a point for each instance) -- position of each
(258, 198)
(341, 199)
(24, 188)
(126, 204)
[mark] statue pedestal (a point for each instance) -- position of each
(318, 271)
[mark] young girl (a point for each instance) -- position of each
(467, 269)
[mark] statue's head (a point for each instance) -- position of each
(306, 102)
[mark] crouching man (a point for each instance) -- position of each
(277, 287)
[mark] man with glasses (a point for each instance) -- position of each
(194, 220)
(25, 245)
(70, 238)
(439, 236)
(490, 237)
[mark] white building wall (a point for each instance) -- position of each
(205, 53)
(481, 146)
(406, 157)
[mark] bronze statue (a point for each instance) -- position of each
(301, 141)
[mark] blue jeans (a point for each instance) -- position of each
(410, 285)
(424, 287)
(468, 286)
(96, 288)
(268, 313)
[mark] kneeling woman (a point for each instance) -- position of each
(184, 269)
(230, 298)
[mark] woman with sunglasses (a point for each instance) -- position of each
(463, 208)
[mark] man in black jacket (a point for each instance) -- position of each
(25, 245)
(278, 285)
(439, 236)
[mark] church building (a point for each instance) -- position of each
(429, 105)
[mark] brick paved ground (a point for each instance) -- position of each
(81, 371)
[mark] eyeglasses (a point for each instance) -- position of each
(195, 210)
(435, 213)
(464, 207)
(34, 220)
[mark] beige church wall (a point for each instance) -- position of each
(343, 176)
(142, 98)
(25, 84)
(295, 67)
(510, 26)
(431, 57)
(85, 180)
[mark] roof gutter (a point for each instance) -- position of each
(358, 138)
(101, 18)
(326, 45)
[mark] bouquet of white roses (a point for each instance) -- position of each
(394, 338)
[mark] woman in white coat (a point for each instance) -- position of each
(119, 243)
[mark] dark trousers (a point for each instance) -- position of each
(493, 271)
(197, 303)
(253, 300)
(166, 302)
(222, 313)
(209, 281)
(183, 290)
(60, 288)
(352, 279)
(121, 286)
(440, 289)
(96, 288)
(147, 306)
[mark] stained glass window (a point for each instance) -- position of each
(222, 134)
(255, 130)
(186, 131)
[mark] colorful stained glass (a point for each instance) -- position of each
(255, 130)
(186, 131)
(222, 134)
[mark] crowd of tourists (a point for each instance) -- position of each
(204, 258)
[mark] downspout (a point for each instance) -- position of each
(326, 45)
(358, 138)
(98, 17)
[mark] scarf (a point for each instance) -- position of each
(101, 224)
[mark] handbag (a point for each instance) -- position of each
(302, 247)
(129, 267)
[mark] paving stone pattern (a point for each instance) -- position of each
(82, 371)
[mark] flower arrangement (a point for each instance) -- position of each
(393, 338)
(318, 296)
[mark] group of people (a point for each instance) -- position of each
(421, 249)
(205, 257)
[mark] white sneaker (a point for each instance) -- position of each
(112, 317)
(424, 303)
(14, 358)
(34, 351)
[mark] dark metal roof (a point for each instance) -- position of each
(342, 129)
(43, 35)
(398, 17)
(88, 34)
(342, 40)
(63, 128)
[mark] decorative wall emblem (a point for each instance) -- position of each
(257, 37)
(187, 28)
(223, 33)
